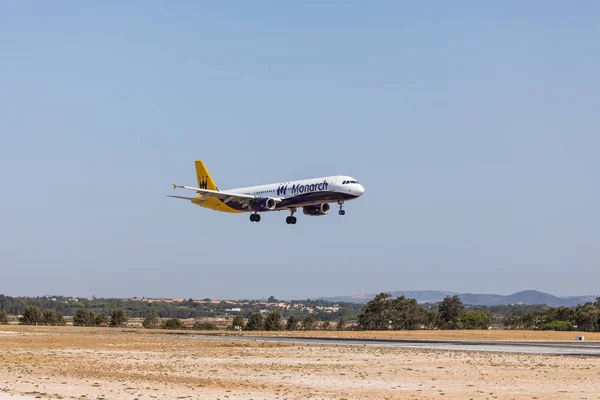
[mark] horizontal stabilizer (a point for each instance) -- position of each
(185, 198)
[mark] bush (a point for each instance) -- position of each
(204, 326)
(101, 319)
(309, 323)
(273, 321)
(474, 320)
(292, 323)
(52, 317)
(558, 326)
(118, 318)
(3, 318)
(152, 321)
(255, 322)
(84, 317)
(32, 316)
(173, 323)
(238, 321)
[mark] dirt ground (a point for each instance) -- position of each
(86, 363)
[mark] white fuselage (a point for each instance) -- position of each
(307, 191)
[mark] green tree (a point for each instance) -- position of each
(84, 317)
(341, 325)
(238, 320)
(255, 322)
(204, 326)
(52, 317)
(511, 322)
(449, 310)
(406, 314)
(118, 318)
(3, 318)
(587, 317)
(474, 320)
(32, 316)
(152, 321)
(561, 314)
(271, 299)
(292, 323)
(101, 319)
(531, 320)
(173, 323)
(309, 323)
(431, 318)
(273, 321)
(376, 314)
(325, 325)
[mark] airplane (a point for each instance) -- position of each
(312, 195)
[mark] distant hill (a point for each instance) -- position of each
(434, 296)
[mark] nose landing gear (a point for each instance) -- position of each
(342, 211)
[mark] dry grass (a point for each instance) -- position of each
(439, 335)
(86, 363)
(424, 335)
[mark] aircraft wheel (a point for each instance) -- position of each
(288, 220)
(342, 212)
(293, 220)
(257, 218)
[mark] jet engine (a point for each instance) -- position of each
(316, 209)
(263, 204)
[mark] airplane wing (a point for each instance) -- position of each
(224, 196)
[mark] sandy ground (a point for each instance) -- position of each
(6, 396)
(84, 363)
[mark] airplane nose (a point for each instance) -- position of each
(360, 190)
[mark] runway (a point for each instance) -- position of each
(575, 348)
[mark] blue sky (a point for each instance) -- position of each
(473, 127)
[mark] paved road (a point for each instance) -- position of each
(574, 348)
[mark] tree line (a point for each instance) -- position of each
(87, 317)
(273, 321)
(182, 310)
(153, 321)
(401, 313)
(584, 317)
(386, 313)
(33, 315)
(381, 313)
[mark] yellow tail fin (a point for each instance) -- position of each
(205, 181)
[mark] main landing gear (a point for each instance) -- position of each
(342, 211)
(291, 219)
(255, 217)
